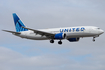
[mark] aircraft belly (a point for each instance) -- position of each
(72, 35)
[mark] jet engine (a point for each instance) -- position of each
(60, 36)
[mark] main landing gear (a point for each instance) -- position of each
(59, 42)
(52, 41)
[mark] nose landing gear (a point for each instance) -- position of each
(93, 39)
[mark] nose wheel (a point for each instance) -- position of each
(93, 39)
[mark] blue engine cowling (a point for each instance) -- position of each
(73, 39)
(60, 36)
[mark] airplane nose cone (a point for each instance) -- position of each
(102, 31)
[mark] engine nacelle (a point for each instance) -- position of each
(60, 36)
(73, 39)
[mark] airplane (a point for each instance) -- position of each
(72, 34)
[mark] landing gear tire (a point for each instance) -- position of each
(93, 39)
(51, 41)
(60, 42)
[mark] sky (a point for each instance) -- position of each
(25, 54)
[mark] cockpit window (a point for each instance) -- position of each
(98, 28)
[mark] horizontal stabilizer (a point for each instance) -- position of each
(11, 32)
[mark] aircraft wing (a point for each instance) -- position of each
(11, 32)
(41, 32)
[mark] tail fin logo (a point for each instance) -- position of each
(18, 24)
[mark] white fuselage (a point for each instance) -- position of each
(71, 32)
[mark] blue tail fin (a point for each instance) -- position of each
(18, 23)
